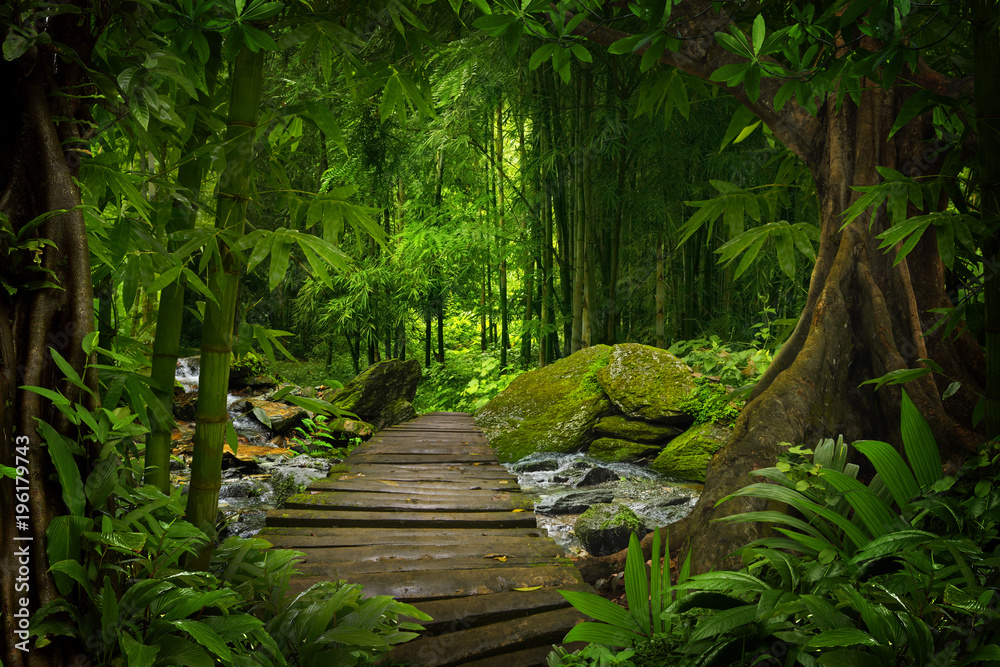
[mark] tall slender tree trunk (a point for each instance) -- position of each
(986, 14)
(661, 295)
(235, 186)
(170, 319)
(530, 261)
(579, 223)
(501, 241)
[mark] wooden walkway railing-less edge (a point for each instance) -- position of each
(427, 515)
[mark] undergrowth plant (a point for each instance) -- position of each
(901, 571)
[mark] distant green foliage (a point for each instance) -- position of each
(465, 383)
(710, 403)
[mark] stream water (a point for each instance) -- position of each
(656, 499)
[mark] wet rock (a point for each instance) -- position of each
(573, 502)
(246, 488)
(647, 383)
(382, 394)
(283, 417)
(184, 406)
(613, 449)
(636, 430)
(551, 409)
(596, 476)
(687, 455)
(230, 462)
(535, 465)
(605, 529)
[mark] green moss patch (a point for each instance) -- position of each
(648, 383)
(551, 409)
(687, 455)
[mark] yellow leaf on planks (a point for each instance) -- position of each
(385, 481)
(519, 510)
(527, 588)
(500, 557)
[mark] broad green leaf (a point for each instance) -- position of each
(601, 634)
(758, 33)
(891, 468)
(918, 441)
(841, 637)
(722, 622)
(637, 584)
(601, 610)
(66, 468)
(874, 514)
(139, 655)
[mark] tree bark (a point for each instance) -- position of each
(40, 140)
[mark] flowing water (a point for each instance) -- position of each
(657, 500)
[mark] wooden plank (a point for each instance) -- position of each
(298, 538)
(463, 646)
(425, 447)
(334, 518)
(433, 585)
(528, 657)
(463, 613)
(424, 459)
(428, 473)
(333, 500)
(346, 569)
(515, 548)
(367, 485)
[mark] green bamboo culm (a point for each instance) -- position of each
(235, 185)
(170, 318)
(986, 15)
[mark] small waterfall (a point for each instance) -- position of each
(187, 372)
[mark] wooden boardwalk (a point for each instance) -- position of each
(428, 516)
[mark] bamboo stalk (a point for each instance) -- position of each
(216, 343)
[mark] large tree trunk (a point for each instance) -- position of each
(863, 316)
(37, 171)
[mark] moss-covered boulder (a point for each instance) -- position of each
(380, 395)
(552, 409)
(636, 430)
(614, 449)
(605, 528)
(647, 383)
(687, 455)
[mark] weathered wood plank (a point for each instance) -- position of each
(345, 569)
(463, 646)
(433, 585)
(419, 459)
(333, 500)
(463, 613)
(334, 518)
(363, 484)
(299, 537)
(514, 548)
(427, 472)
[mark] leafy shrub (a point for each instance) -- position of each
(901, 571)
(710, 403)
(714, 358)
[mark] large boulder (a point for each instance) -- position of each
(636, 430)
(382, 394)
(573, 502)
(605, 529)
(551, 409)
(687, 455)
(647, 383)
(279, 417)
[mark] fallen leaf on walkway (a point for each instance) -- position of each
(519, 510)
(385, 481)
(527, 588)
(503, 481)
(500, 557)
